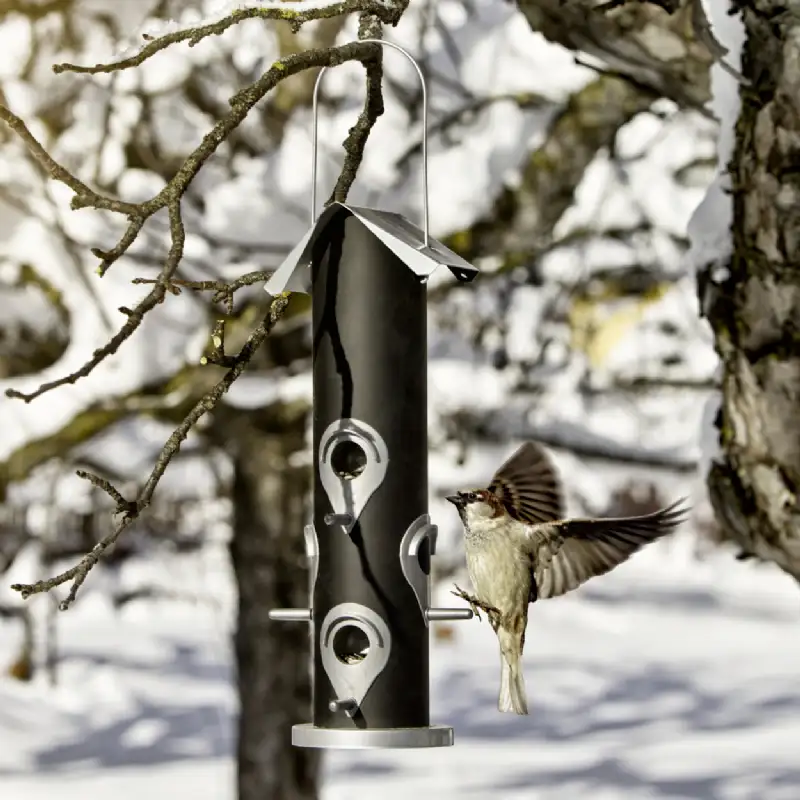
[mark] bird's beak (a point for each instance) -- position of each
(456, 499)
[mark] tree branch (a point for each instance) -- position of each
(135, 316)
(357, 136)
(223, 290)
(388, 13)
(131, 510)
(170, 195)
(638, 40)
(520, 224)
(58, 173)
(466, 426)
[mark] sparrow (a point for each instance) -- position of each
(520, 549)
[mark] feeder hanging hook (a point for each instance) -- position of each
(314, 137)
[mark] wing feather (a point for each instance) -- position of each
(528, 486)
(585, 548)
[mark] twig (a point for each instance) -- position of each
(108, 257)
(170, 195)
(122, 506)
(135, 315)
(58, 173)
(387, 13)
(133, 509)
(223, 290)
(122, 598)
(217, 356)
(359, 133)
(223, 293)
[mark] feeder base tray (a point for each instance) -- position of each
(307, 735)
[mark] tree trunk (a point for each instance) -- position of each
(756, 312)
(269, 498)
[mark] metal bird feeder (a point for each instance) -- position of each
(371, 540)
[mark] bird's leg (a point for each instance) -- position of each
(475, 603)
(471, 600)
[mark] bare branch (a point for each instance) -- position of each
(218, 356)
(387, 12)
(122, 506)
(373, 13)
(150, 592)
(700, 26)
(135, 316)
(465, 426)
(357, 137)
(58, 173)
(108, 257)
(208, 402)
(170, 195)
(631, 42)
(223, 291)
(520, 223)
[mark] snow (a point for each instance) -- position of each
(251, 391)
(15, 45)
(222, 8)
(668, 678)
(466, 170)
(154, 354)
(709, 227)
(27, 308)
(497, 139)
(639, 185)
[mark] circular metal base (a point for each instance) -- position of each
(307, 735)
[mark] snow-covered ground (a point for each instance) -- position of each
(669, 678)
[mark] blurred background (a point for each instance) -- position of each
(571, 187)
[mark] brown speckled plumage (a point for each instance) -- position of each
(520, 549)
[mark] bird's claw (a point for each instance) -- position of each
(464, 596)
(474, 603)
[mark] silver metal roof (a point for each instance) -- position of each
(402, 237)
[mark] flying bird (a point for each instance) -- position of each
(520, 549)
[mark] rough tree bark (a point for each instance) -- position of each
(755, 312)
(268, 556)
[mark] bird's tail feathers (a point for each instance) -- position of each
(512, 698)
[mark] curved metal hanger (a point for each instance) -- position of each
(314, 136)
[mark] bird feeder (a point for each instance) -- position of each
(371, 540)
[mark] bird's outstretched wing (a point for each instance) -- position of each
(528, 486)
(579, 549)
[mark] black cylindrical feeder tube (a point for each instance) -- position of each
(370, 364)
